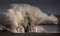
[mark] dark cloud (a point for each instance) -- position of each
(48, 6)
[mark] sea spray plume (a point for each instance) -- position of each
(49, 20)
(19, 15)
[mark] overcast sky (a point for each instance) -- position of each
(48, 6)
